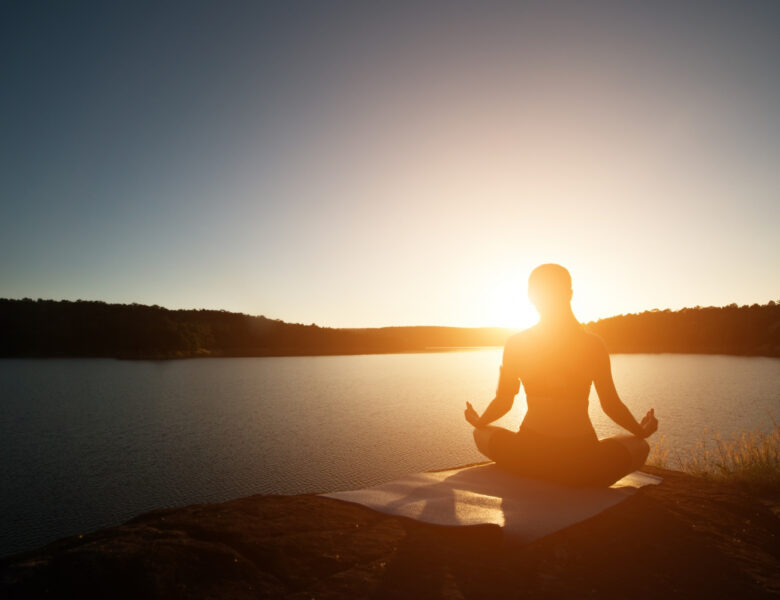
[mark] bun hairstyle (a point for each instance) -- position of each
(549, 289)
(550, 280)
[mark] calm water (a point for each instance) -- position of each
(90, 443)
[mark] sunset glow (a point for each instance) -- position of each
(406, 168)
(389, 299)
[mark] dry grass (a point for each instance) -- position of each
(753, 459)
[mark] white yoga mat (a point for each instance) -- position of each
(525, 509)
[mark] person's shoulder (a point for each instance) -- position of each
(592, 338)
(521, 337)
(594, 343)
(514, 349)
(517, 341)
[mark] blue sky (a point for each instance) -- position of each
(358, 164)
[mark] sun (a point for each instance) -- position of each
(508, 306)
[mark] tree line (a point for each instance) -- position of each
(94, 328)
(50, 328)
(742, 330)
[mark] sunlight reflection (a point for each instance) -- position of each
(472, 507)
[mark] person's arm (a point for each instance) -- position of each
(508, 386)
(612, 404)
(498, 407)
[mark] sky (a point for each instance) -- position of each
(370, 164)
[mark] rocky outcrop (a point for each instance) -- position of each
(685, 538)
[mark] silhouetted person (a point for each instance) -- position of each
(556, 360)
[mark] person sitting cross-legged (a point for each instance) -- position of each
(557, 360)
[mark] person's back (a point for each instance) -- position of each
(556, 361)
(556, 369)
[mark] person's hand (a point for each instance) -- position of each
(649, 423)
(471, 415)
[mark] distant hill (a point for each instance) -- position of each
(88, 328)
(741, 330)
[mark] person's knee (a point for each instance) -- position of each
(637, 448)
(481, 438)
(643, 451)
(640, 449)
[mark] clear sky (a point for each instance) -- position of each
(365, 164)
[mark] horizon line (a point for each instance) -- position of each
(767, 303)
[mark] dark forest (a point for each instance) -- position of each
(50, 328)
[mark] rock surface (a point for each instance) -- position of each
(685, 538)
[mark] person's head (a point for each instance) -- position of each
(549, 289)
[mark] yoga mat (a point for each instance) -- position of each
(525, 509)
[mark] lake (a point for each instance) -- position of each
(88, 443)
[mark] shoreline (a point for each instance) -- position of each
(427, 350)
(688, 536)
